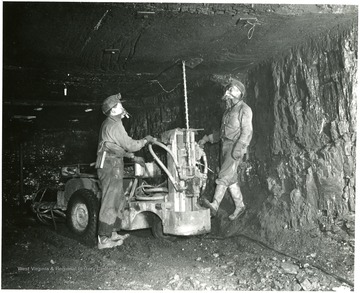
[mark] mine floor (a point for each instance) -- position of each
(36, 256)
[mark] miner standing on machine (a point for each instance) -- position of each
(114, 145)
(235, 134)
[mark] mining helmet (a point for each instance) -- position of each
(238, 84)
(110, 102)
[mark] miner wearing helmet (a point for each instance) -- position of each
(114, 145)
(235, 134)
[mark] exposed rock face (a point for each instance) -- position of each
(301, 172)
(305, 132)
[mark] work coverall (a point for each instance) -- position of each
(235, 133)
(114, 139)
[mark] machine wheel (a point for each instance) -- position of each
(157, 230)
(82, 215)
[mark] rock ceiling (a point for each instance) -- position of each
(79, 53)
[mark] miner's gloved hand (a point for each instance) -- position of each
(140, 161)
(150, 139)
(238, 152)
(204, 140)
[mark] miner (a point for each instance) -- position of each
(114, 145)
(235, 134)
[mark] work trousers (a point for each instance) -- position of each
(228, 171)
(113, 198)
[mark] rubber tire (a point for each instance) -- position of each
(158, 230)
(87, 235)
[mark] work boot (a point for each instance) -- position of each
(107, 242)
(115, 236)
(238, 200)
(218, 196)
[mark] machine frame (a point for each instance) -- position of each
(169, 209)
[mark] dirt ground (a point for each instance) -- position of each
(35, 256)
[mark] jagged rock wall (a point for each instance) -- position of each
(43, 153)
(304, 108)
(301, 172)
